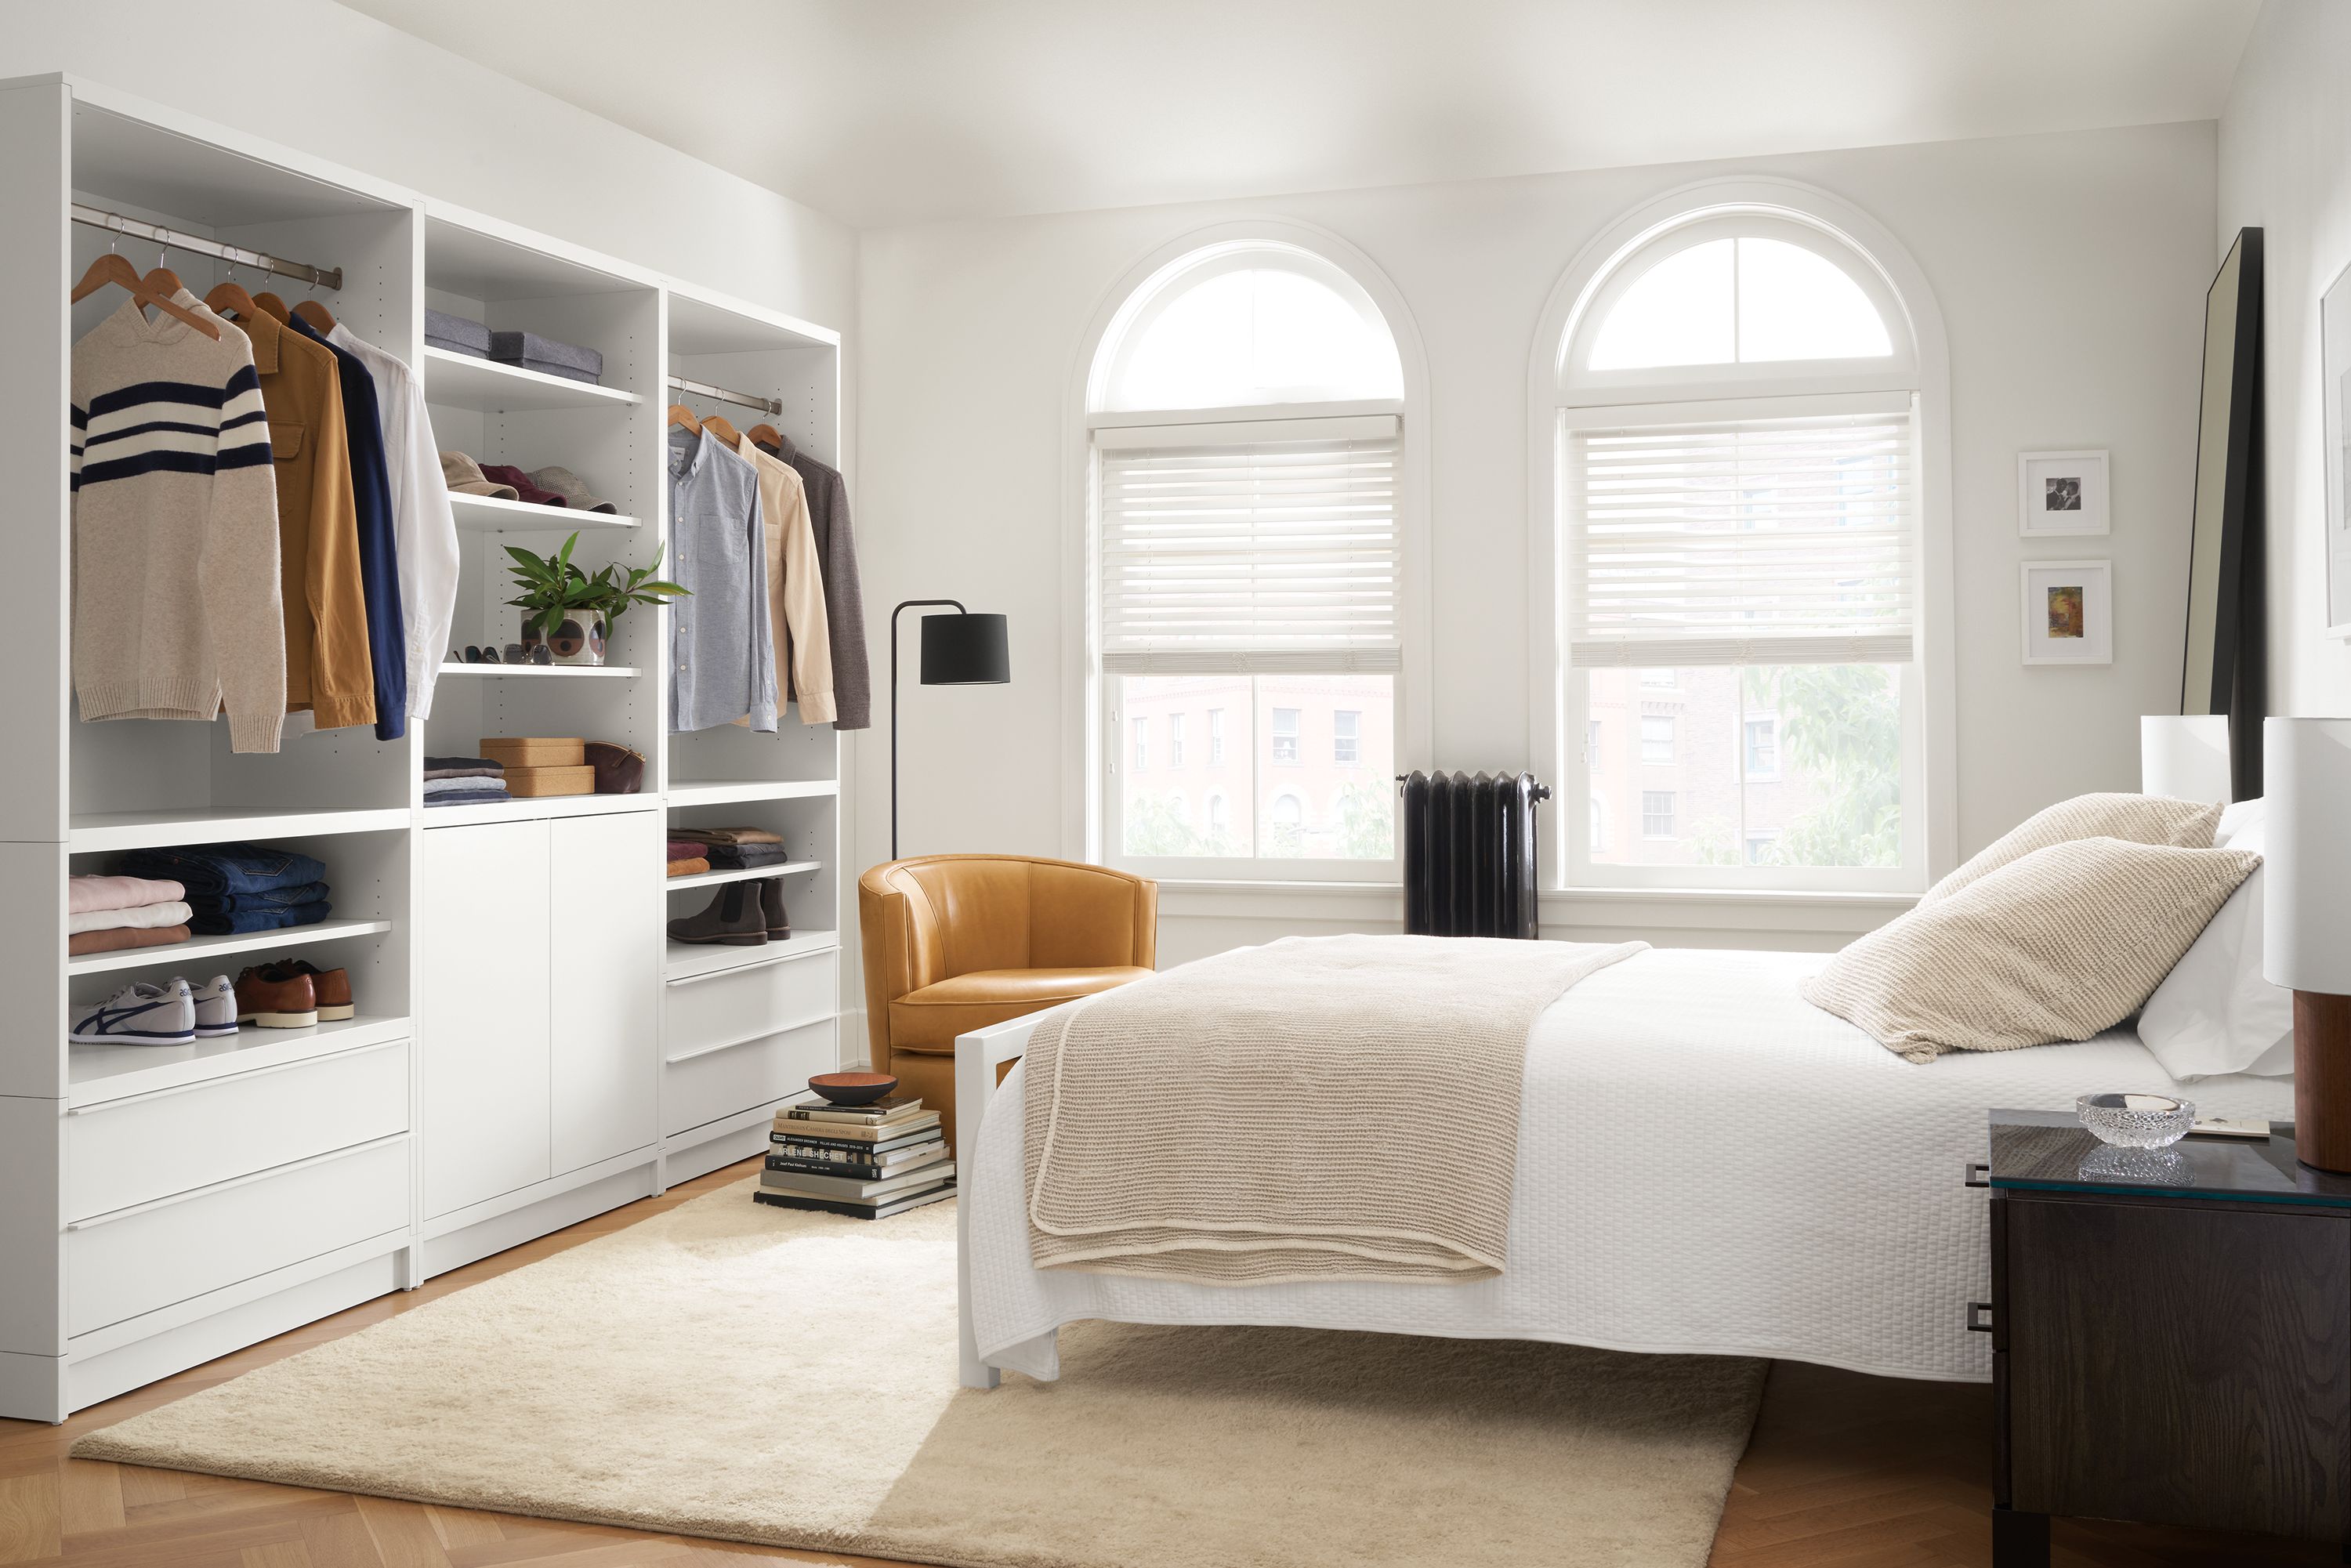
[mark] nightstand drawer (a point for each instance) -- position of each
(136, 1150)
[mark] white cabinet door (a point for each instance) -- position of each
(605, 912)
(481, 935)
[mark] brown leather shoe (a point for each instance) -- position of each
(737, 917)
(771, 900)
(275, 996)
(333, 988)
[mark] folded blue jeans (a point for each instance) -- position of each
(240, 921)
(209, 869)
(274, 898)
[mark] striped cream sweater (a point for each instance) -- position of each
(176, 609)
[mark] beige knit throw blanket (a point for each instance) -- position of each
(1320, 1108)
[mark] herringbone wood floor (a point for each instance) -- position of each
(1845, 1471)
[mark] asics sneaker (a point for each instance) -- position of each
(141, 1014)
(215, 1008)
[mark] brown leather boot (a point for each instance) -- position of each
(772, 899)
(333, 988)
(275, 996)
(736, 917)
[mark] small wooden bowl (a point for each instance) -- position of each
(853, 1087)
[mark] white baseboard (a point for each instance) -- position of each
(455, 1249)
(32, 1387)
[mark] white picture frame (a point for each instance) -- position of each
(2062, 631)
(2335, 371)
(2061, 495)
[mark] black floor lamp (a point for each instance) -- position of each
(958, 650)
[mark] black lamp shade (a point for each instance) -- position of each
(966, 651)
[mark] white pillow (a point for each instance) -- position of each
(2214, 1013)
(2235, 818)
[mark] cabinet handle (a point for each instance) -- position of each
(1979, 1317)
(1977, 1174)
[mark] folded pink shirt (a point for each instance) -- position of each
(86, 894)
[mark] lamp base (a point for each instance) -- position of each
(2321, 1080)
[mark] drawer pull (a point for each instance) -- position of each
(1977, 1174)
(247, 1180)
(1979, 1317)
(247, 1077)
(768, 962)
(702, 1051)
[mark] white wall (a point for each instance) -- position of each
(2070, 269)
(2285, 168)
(343, 86)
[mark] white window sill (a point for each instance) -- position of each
(1671, 916)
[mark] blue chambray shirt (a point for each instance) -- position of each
(722, 662)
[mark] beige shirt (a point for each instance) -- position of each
(795, 588)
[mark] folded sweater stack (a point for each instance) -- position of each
(107, 914)
(464, 781)
(686, 859)
(735, 848)
(235, 889)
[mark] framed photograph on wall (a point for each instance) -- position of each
(2061, 492)
(2069, 612)
(2335, 366)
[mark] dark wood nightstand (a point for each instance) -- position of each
(2171, 1343)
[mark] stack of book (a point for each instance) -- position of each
(867, 1161)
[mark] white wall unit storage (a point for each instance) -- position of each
(528, 1047)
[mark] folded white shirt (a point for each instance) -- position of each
(138, 917)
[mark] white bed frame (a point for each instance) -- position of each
(977, 1055)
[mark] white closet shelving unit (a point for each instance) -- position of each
(530, 1047)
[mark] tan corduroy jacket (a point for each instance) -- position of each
(326, 667)
(795, 588)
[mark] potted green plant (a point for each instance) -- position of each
(573, 612)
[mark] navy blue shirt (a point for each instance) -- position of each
(379, 561)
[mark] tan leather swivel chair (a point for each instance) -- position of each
(955, 943)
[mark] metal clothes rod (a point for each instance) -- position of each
(774, 405)
(317, 277)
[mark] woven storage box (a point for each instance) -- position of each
(457, 334)
(536, 751)
(533, 352)
(573, 780)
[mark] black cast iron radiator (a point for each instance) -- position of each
(1469, 855)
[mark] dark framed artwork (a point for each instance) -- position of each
(2224, 667)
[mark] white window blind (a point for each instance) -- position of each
(1783, 540)
(1250, 547)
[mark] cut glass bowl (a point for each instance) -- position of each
(2136, 1121)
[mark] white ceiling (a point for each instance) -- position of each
(891, 111)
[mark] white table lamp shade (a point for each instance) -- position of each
(2184, 756)
(2306, 875)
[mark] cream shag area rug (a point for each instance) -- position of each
(731, 1370)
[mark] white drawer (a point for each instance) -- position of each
(145, 1258)
(718, 1083)
(734, 1005)
(137, 1150)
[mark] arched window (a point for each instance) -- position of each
(1737, 393)
(1246, 422)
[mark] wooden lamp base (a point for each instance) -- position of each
(2321, 1080)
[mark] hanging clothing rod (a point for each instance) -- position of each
(774, 405)
(317, 277)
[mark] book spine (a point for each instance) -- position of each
(860, 1148)
(853, 1170)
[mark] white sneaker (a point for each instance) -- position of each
(141, 1014)
(215, 1008)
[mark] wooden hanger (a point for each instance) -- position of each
(716, 424)
(115, 268)
(316, 314)
(163, 281)
(681, 414)
(765, 435)
(270, 304)
(230, 298)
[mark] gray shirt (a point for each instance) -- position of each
(722, 663)
(844, 598)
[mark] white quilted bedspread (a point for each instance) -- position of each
(1707, 1163)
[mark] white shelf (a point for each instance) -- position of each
(491, 512)
(98, 830)
(723, 792)
(460, 380)
(527, 808)
(691, 960)
(98, 1073)
(748, 873)
(198, 951)
(540, 672)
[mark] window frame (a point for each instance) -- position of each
(1091, 823)
(1559, 390)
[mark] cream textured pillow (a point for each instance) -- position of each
(2141, 819)
(2067, 941)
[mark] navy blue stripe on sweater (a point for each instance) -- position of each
(149, 462)
(188, 392)
(151, 427)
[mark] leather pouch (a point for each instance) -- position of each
(619, 769)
